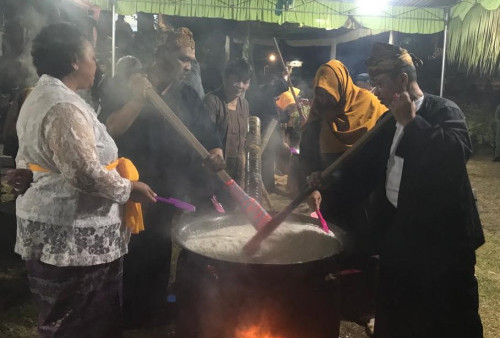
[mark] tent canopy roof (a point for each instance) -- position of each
(408, 16)
(417, 3)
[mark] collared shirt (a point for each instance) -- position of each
(395, 163)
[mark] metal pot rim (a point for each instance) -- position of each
(186, 221)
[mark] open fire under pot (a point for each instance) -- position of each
(220, 298)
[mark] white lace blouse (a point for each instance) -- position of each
(71, 215)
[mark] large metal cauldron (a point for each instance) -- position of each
(216, 297)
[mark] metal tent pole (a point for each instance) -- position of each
(113, 39)
(333, 50)
(391, 38)
(446, 23)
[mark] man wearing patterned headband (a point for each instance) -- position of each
(427, 286)
(422, 205)
(167, 163)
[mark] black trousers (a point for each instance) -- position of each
(427, 304)
(147, 267)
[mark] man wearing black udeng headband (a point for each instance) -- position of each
(422, 207)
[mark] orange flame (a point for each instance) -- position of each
(260, 330)
(255, 331)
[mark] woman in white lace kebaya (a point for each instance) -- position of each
(70, 229)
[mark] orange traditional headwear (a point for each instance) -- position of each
(356, 112)
(286, 98)
(181, 37)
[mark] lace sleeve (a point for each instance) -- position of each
(71, 140)
(21, 162)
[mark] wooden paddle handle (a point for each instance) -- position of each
(183, 131)
(254, 243)
(350, 152)
(341, 159)
(289, 79)
(257, 215)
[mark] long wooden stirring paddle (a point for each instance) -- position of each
(254, 243)
(257, 215)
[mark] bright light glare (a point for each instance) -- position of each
(295, 63)
(272, 57)
(371, 7)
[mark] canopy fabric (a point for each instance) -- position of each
(479, 30)
(463, 7)
(313, 13)
(470, 19)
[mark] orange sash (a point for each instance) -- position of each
(126, 169)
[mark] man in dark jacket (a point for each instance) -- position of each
(229, 110)
(164, 160)
(422, 205)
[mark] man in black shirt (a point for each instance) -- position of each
(164, 160)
